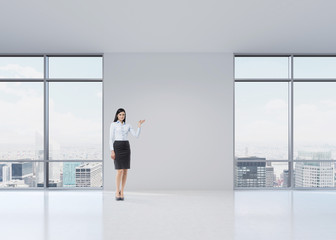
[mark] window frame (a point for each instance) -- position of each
(46, 81)
(291, 80)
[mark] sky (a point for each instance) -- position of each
(279, 67)
(75, 107)
(261, 109)
(59, 67)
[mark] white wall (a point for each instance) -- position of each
(187, 101)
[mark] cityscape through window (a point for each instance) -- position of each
(51, 121)
(285, 114)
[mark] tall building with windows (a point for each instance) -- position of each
(89, 175)
(285, 178)
(269, 175)
(39, 155)
(314, 174)
(251, 173)
(5, 173)
(23, 171)
(69, 173)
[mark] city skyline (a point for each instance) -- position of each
(30, 174)
(75, 121)
(309, 173)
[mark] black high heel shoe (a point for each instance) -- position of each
(118, 198)
(121, 198)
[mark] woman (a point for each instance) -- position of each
(120, 148)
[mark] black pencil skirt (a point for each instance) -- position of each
(122, 154)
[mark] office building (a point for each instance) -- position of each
(89, 175)
(69, 173)
(251, 173)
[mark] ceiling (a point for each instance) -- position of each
(98, 26)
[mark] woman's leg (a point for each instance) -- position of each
(118, 180)
(124, 177)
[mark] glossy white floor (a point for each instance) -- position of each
(168, 215)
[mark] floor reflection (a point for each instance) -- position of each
(282, 215)
(239, 215)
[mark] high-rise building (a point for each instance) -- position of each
(38, 168)
(89, 175)
(251, 173)
(69, 173)
(23, 171)
(285, 176)
(5, 173)
(269, 175)
(314, 174)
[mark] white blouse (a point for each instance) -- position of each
(120, 131)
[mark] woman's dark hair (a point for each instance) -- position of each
(119, 111)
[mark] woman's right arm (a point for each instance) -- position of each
(112, 137)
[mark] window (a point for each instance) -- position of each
(261, 119)
(21, 67)
(75, 120)
(265, 67)
(51, 124)
(284, 121)
(75, 67)
(21, 121)
(308, 67)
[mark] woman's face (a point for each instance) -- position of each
(121, 116)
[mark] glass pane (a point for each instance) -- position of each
(262, 67)
(76, 67)
(315, 67)
(21, 174)
(261, 119)
(75, 120)
(314, 121)
(255, 172)
(21, 121)
(75, 174)
(314, 174)
(21, 67)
